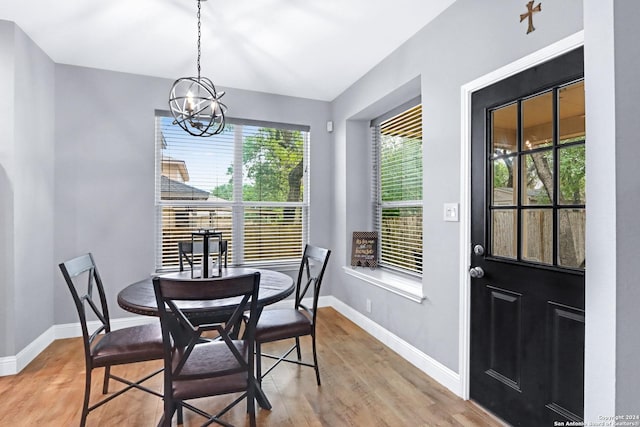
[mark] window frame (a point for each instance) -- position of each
(376, 189)
(238, 207)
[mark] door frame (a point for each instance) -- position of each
(545, 54)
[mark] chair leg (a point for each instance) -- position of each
(180, 419)
(162, 422)
(87, 394)
(251, 403)
(167, 416)
(298, 348)
(315, 358)
(258, 363)
(105, 384)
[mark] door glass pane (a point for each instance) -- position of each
(537, 235)
(571, 230)
(537, 121)
(504, 226)
(537, 178)
(504, 132)
(525, 137)
(505, 181)
(572, 175)
(571, 107)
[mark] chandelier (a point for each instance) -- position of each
(195, 103)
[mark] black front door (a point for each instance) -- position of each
(528, 232)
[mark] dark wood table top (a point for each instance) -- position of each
(140, 298)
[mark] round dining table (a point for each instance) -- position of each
(140, 298)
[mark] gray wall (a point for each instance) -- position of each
(104, 169)
(104, 176)
(600, 339)
(26, 188)
(33, 190)
(627, 153)
(612, 60)
(468, 40)
(7, 84)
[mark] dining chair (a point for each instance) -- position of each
(196, 364)
(105, 347)
(186, 250)
(285, 323)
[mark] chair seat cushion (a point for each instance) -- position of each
(213, 359)
(211, 369)
(129, 345)
(279, 324)
(193, 389)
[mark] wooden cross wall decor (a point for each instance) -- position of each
(530, 11)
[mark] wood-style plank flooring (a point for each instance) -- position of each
(363, 384)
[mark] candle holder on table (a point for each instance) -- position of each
(208, 237)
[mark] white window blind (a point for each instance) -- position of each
(397, 189)
(250, 182)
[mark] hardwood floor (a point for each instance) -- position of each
(363, 384)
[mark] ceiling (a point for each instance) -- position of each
(308, 48)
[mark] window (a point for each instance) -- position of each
(537, 179)
(250, 182)
(397, 187)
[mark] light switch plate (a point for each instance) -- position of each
(451, 212)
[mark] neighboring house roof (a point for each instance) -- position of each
(175, 190)
(213, 198)
(170, 165)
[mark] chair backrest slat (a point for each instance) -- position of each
(312, 268)
(97, 311)
(204, 289)
(79, 265)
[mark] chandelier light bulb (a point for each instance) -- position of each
(190, 106)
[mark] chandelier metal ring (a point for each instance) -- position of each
(196, 107)
(195, 103)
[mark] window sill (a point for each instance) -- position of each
(399, 284)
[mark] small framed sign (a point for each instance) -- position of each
(364, 249)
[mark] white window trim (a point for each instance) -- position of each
(406, 286)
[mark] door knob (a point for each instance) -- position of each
(478, 250)
(476, 272)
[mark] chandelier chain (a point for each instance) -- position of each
(195, 103)
(199, 33)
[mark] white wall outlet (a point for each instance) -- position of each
(368, 305)
(451, 212)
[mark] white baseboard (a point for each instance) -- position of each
(8, 366)
(72, 330)
(13, 364)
